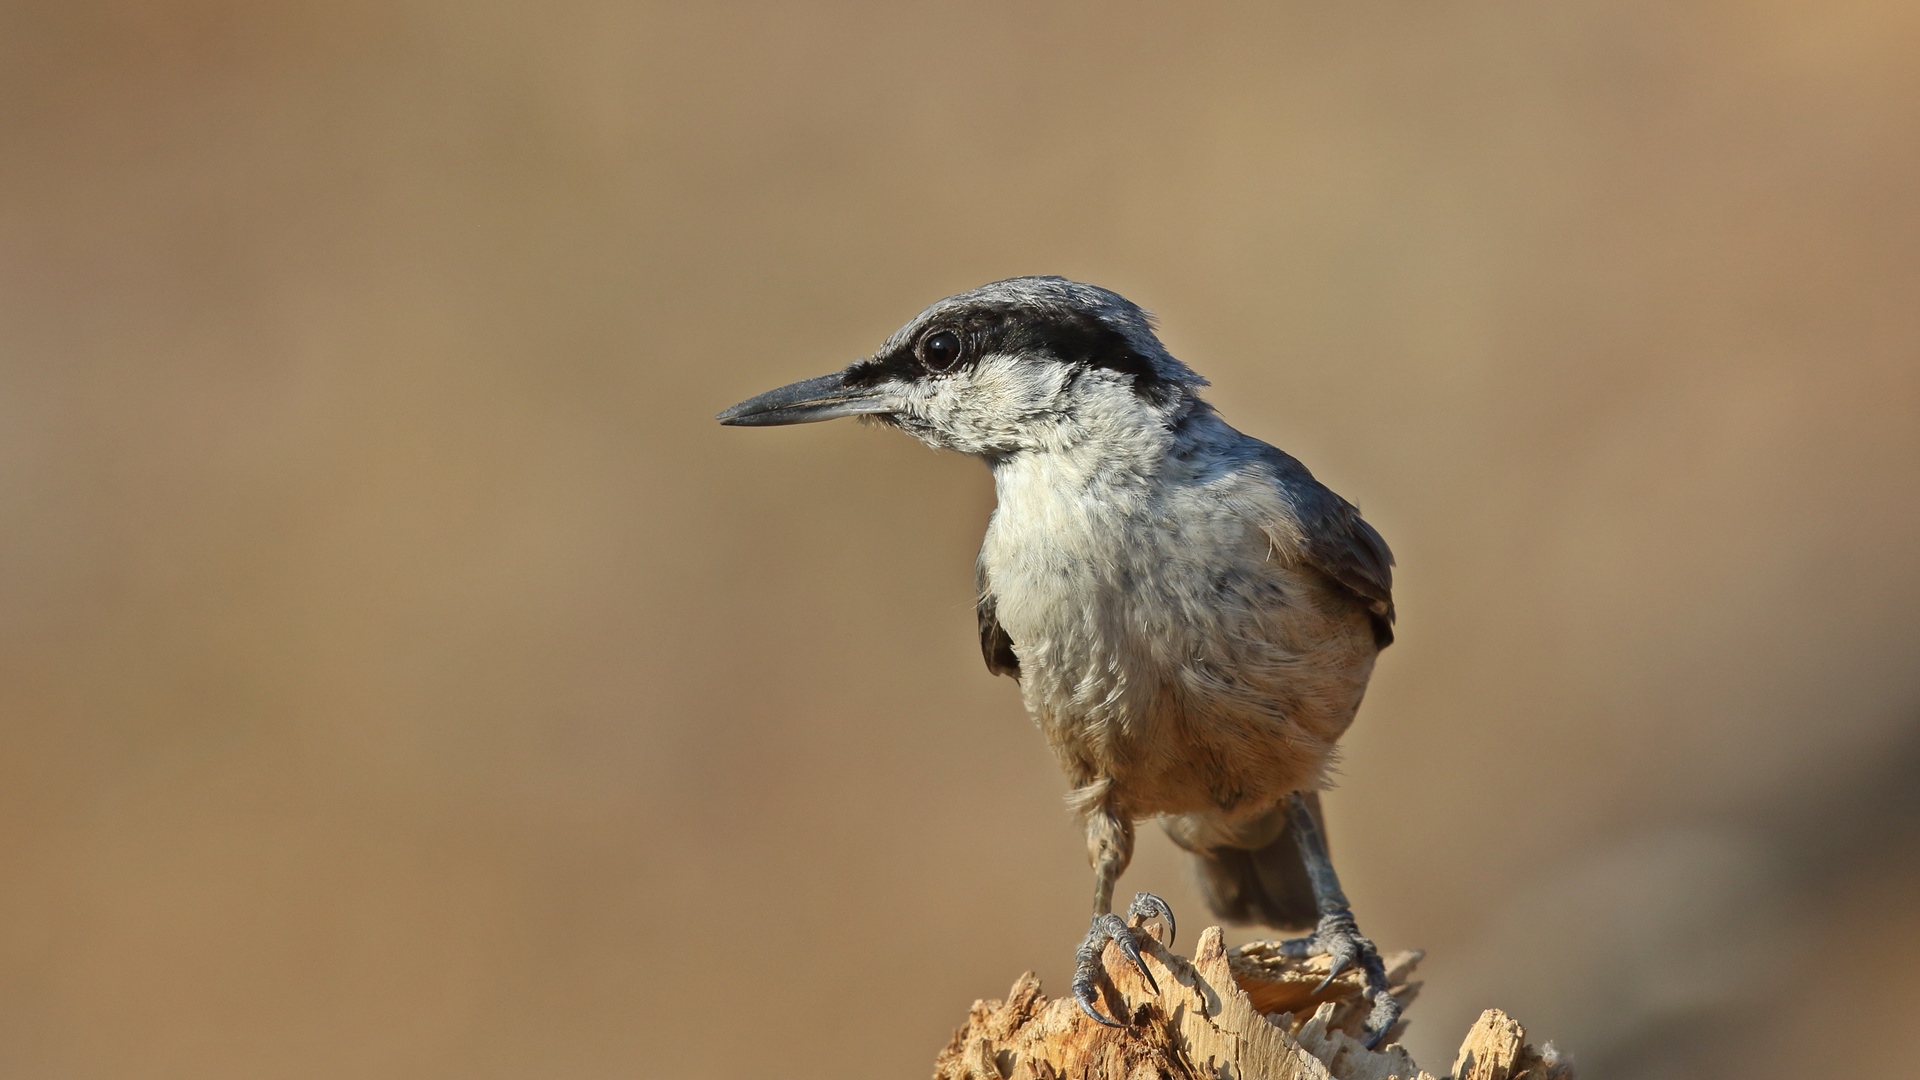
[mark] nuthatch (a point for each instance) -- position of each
(1191, 616)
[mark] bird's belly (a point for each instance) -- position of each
(1164, 686)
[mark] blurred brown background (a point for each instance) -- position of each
(401, 675)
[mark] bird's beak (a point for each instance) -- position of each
(806, 402)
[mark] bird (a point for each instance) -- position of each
(1191, 616)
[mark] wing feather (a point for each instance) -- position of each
(1337, 541)
(995, 644)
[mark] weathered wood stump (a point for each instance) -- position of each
(1234, 1014)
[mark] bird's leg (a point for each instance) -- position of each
(1110, 848)
(1338, 936)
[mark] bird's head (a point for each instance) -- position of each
(1023, 364)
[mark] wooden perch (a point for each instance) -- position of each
(1234, 1014)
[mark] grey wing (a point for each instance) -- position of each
(1338, 541)
(995, 644)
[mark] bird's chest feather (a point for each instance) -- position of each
(1108, 591)
(1154, 627)
(1066, 561)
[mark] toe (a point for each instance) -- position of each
(1087, 969)
(1112, 929)
(1085, 1001)
(1386, 1013)
(1340, 953)
(1148, 906)
(1298, 948)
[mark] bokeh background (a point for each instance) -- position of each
(401, 675)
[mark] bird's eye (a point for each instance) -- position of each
(940, 350)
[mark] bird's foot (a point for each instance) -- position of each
(1110, 927)
(1338, 938)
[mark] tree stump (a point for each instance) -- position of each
(1233, 1014)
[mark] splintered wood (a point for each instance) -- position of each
(1241, 1014)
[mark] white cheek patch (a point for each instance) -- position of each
(1005, 388)
(998, 403)
(1005, 404)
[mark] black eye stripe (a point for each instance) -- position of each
(1069, 337)
(1081, 340)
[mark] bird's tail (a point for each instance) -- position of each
(1265, 884)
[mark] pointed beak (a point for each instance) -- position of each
(806, 402)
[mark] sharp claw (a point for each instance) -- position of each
(1087, 1007)
(1337, 939)
(1147, 905)
(1133, 953)
(1339, 965)
(1374, 1038)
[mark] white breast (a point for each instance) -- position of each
(1154, 625)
